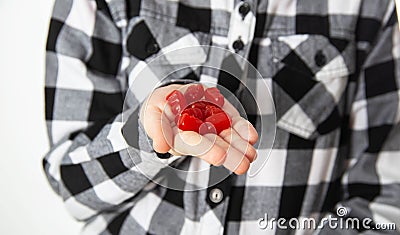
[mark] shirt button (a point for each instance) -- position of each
(320, 58)
(244, 9)
(238, 45)
(216, 195)
(152, 47)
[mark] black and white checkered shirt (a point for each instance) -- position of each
(333, 67)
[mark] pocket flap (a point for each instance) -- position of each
(310, 82)
(315, 55)
(158, 38)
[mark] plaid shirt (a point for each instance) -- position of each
(333, 67)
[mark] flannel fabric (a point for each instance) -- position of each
(333, 67)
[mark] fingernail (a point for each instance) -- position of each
(255, 156)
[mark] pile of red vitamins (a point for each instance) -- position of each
(199, 110)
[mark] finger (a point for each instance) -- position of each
(157, 98)
(175, 132)
(156, 122)
(158, 128)
(245, 129)
(174, 153)
(237, 142)
(168, 113)
(219, 142)
(191, 143)
(230, 109)
(237, 165)
(235, 160)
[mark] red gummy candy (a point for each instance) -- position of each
(195, 112)
(187, 122)
(211, 110)
(200, 105)
(213, 95)
(202, 116)
(213, 119)
(220, 121)
(194, 93)
(176, 101)
(207, 128)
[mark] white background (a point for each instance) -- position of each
(27, 204)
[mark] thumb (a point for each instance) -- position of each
(158, 128)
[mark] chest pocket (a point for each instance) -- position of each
(169, 52)
(149, 38)
(310, 82)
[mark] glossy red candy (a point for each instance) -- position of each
(213, 95)
(200, 105)
(201, 116)
(211, 119)
(176, 101)
(207, 128)
(187, 122)
(194, 93)
(195, 112)
(211, 110)
(220, 121)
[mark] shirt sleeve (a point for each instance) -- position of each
(371, 183)
(89, 164)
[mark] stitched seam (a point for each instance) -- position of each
(296, 126)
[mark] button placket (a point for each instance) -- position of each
(244, 9)
(238, 44)
(241, 28)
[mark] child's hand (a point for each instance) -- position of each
(232, 147)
